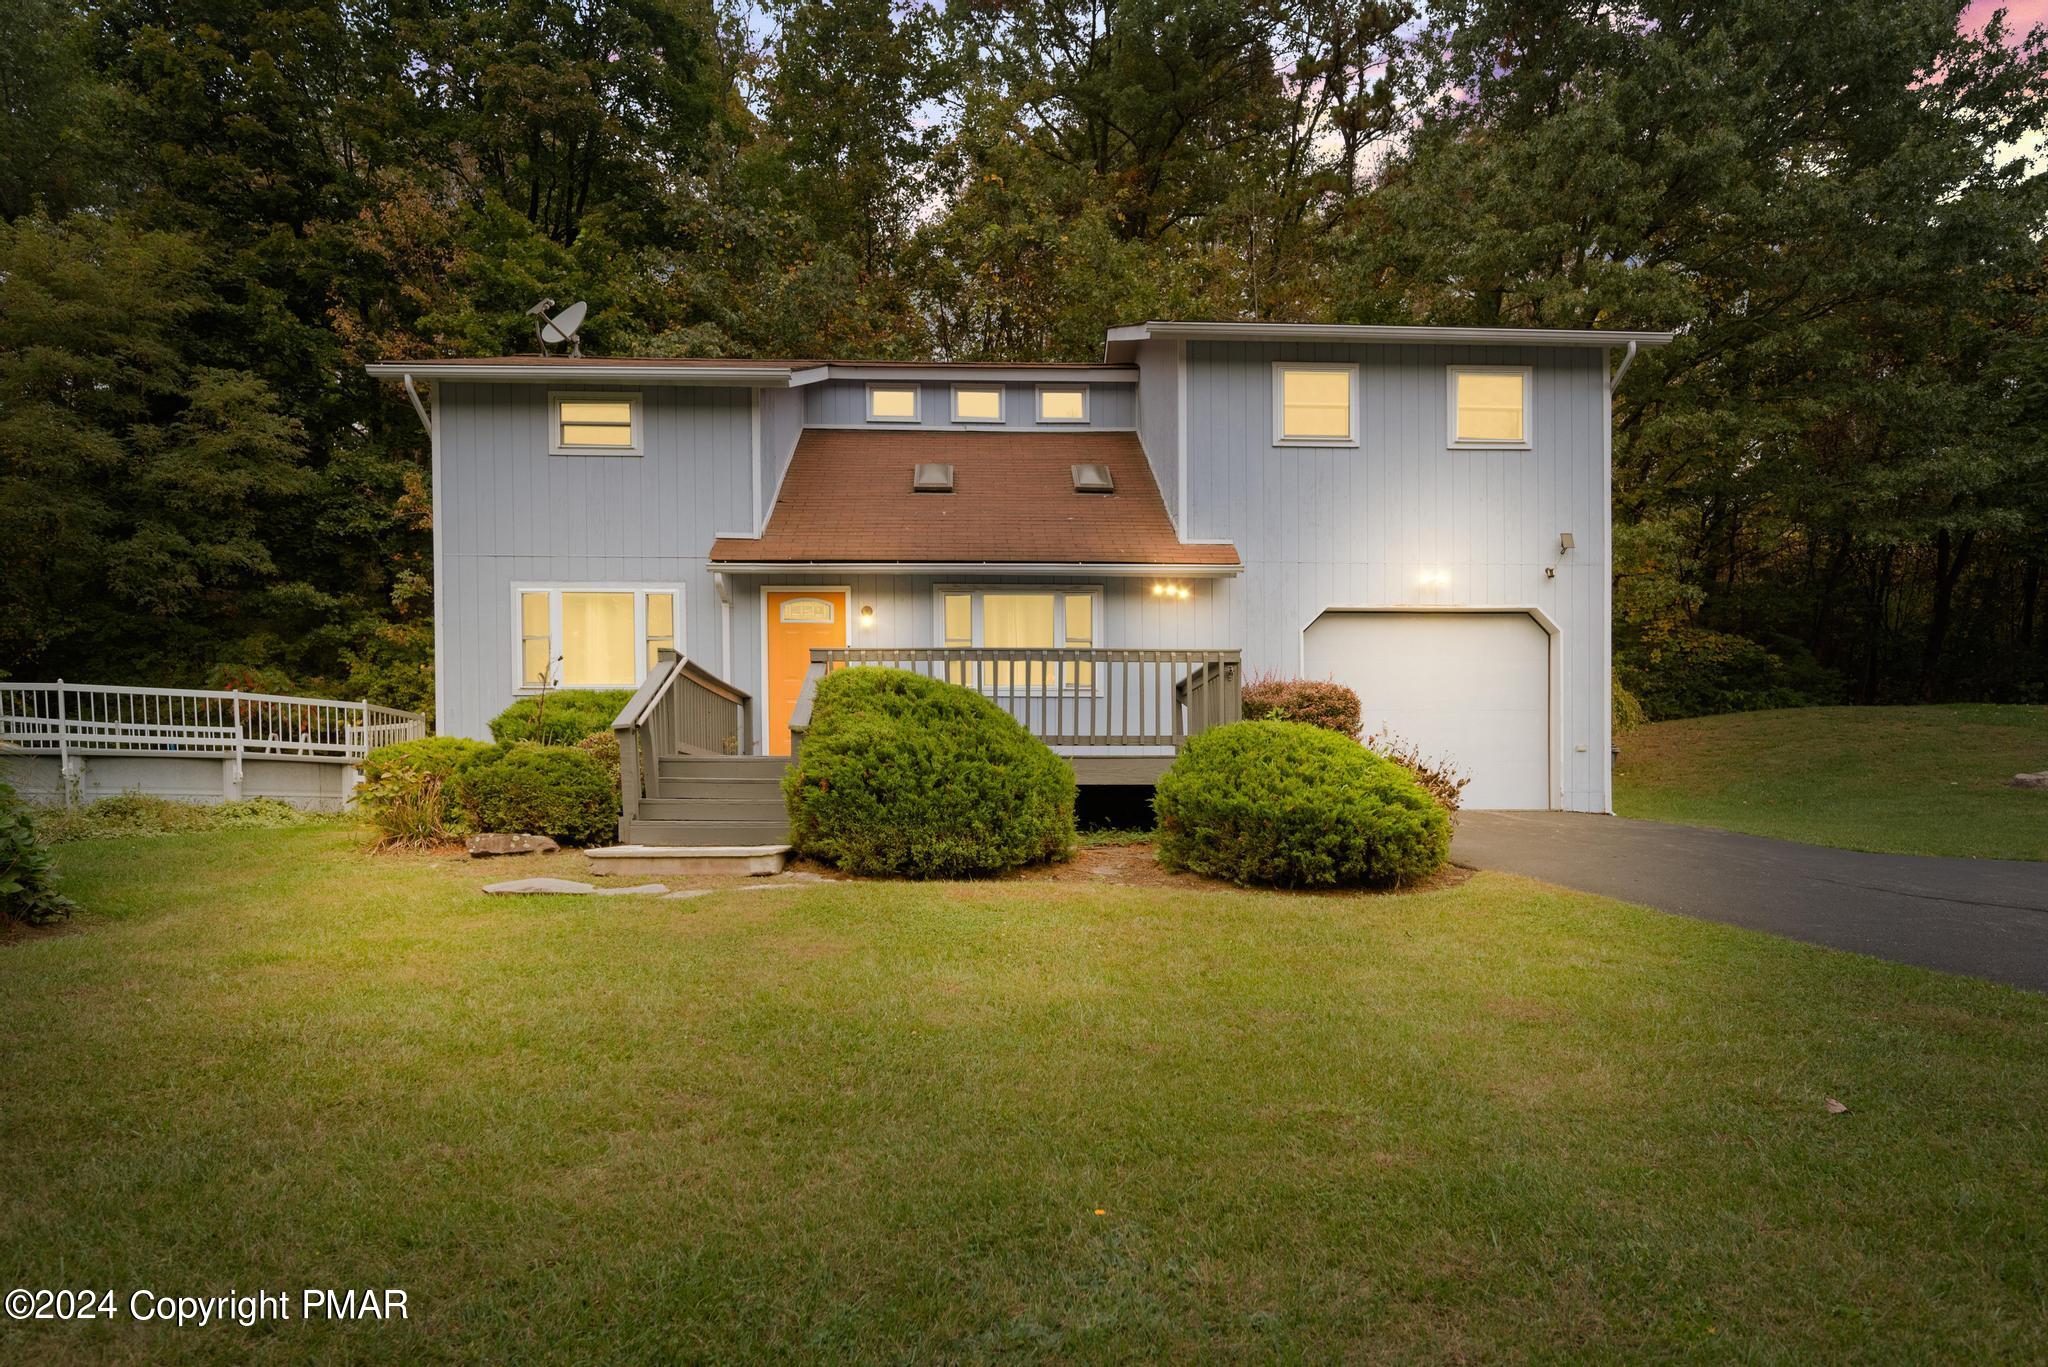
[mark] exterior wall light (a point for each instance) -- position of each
(867, 618)
(1172, 591)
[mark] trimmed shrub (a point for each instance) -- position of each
(1314, 702)
(908, 776)
(1628, 713)
(1292, 805)
(1439, 776)
(404, 792)
(437, 755)
(547, 790)
(565, 717)
(604, 748)
(28, 892)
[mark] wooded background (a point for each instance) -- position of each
(1833, 487)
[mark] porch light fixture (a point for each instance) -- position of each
(867, 617)
(1171, 591)
(1433, 578)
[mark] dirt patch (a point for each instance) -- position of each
(1138, 866)
(13, 932)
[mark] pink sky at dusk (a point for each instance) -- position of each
(2020, 15)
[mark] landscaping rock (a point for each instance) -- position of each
(486, 846)
(2039, 780)
(637, 890)
(539, 885)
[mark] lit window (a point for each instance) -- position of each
(977, 403)
(595, 424)
(1489, 406)
(536, 642)
(1312, 404)
(1038, 620)
(1062, 405)
(594, 636)
(892, 403)
(661, 625)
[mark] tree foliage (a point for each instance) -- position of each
(1835, 484)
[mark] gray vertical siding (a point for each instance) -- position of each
(1320, 528)
(782, 422)
(844, 403)
(1158, 413)
(511, 514)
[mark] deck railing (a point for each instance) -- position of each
(84, 720)
(681, 709)
(1070, 699)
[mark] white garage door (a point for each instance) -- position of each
(1470, 686)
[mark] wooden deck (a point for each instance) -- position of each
(689, 776)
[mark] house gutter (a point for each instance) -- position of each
(1116, 571)
(1628, 359)
(426, 422)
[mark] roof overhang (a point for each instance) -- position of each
(1113, 571)
(566, 369)
(1122, 342)
(984, 374)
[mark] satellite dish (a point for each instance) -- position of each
(561, 328)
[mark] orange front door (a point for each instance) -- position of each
(799, 621)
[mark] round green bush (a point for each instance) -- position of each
(567, 716)
(540, 790)
(439, 756)
(1293, 805)
(907, 776)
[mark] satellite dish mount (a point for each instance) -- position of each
(561, 329)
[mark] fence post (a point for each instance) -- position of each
(64, 775)
(231, 775)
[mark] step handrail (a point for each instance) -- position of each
(672, 713)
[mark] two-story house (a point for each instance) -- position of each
(1107, 548)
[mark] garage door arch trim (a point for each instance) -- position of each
(1554, 794)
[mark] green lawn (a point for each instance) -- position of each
(1023, 1120)
(1906, 780)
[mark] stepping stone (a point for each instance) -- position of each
(485, 846)
(762, 887)
(686, 894)
(559, 886)
(637, 890)
(2039, 780)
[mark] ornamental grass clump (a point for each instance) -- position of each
(405, 788)
(1285, 804)
(901, 775)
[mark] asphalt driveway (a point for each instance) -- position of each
(1985, 917)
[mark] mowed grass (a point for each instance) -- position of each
(1004, 1120)
(1904, 780)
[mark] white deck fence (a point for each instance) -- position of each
(67, 741)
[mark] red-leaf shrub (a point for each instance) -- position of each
(1318, 702)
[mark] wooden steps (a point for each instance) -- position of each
(726, 801)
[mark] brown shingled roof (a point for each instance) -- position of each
(847, 499)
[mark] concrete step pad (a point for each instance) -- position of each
(752, 861)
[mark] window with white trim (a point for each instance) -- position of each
(584, 423)
(1062, 403)
(1315, 404)
(977, 403)
(1489, 405)
(594, 635)
(1021, 619)
(892, 402)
